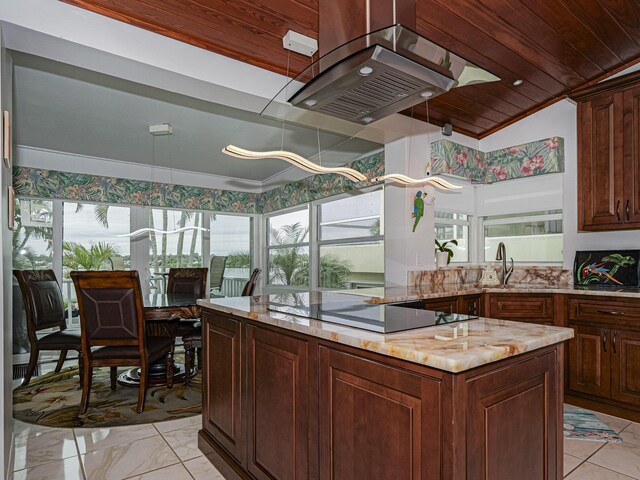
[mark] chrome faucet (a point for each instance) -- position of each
(502, 255)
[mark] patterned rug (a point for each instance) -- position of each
(585, 425)
(53, 400)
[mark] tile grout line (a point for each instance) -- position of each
(82, 469)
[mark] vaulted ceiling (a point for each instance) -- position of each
(554, 46)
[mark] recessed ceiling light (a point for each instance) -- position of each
(365, 71)
(426, 94)
(401, 94)
(310, 103)
(368, 119)
(517, 82)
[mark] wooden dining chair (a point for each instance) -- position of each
(189, 281)
(44, 309)
(192, 340)
(113, 329)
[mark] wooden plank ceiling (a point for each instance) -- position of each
(554, 46)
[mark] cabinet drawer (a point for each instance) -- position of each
(521, 307)
(604, 309)
(447, 304)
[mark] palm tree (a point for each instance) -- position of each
(78, 257)
(22, 234)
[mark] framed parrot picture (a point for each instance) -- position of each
(612, 268)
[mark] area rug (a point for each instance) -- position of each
(585, 425)
(53, 400)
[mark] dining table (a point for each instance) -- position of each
(163, 312)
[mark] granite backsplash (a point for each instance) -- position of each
(551, 276)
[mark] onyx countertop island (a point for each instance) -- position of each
(290, 397)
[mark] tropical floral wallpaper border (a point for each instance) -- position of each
(41, 183)
(530, 159)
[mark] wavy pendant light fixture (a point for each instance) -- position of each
(294, 159)
(142, 231)
(404, 180)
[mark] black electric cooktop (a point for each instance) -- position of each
(353, 311)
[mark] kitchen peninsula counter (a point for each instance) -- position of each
(285, 396)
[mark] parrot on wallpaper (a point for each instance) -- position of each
(418, 209)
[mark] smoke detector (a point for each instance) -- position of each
(162, 129)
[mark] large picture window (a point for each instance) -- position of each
(529, 237)
(288, 248)
(230, 237)
(351, 241)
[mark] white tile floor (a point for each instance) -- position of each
(168, 450)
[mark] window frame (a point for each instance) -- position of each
(453, 222)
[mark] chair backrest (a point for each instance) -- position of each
(111, 308)
(247, 291)
(117, 262)
(42, 300)
(191, 281)
(217, 266)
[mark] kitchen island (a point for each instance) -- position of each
(286, 396)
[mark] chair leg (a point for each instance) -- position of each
(61, 359)
(169, 366)
(142, 391)
(86, 389)
(33, 361)
(188, 356)
(80, 367)
(114, 376)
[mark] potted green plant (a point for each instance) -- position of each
(444, 254)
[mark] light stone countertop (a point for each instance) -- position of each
(405, 293)
(477, 342)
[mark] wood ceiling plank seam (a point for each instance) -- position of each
(311, 13)
(542, 106)
(488, 101)
(598, 24)
(532, 27)
(453, 99)
(482, 17)
(452, 110)
(558, 17)
(245, 11)
(530, 90)
(312, 4)
(502, 54)
(622, 16)
(297, 62)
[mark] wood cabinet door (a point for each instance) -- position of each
(222, 384)
(447, 304)
(277, 405)
(600, 162)
(470, 305)
(625, 367)
(589, 361)
(377, 421)
(533, 308)
(510, 414)
(632, 157)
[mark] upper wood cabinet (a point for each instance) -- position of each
(608, 155)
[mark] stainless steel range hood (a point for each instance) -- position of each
(382, 73)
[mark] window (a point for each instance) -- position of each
(350, 241)
(33, 234)
(529, 237)
(231, 237)
(182, 249)
(454, 226)
(288, 248)
(90, 239)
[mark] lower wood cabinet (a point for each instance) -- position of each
(222, 400)
(279, 405)
(604, 355)
(377, 421)
(464, 304)
(532, 308)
